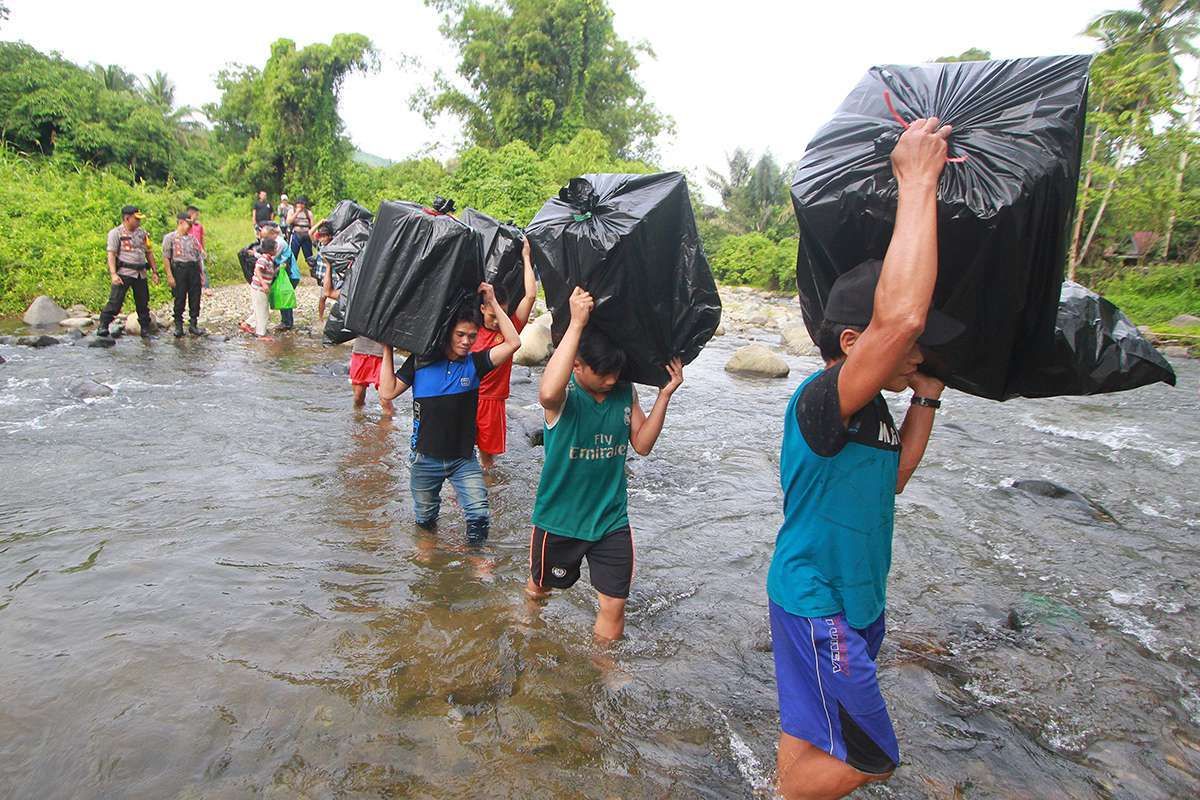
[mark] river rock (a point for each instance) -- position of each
(720, 331)
(3, 360)
(796, 340)
(1185, 321)
(76, 322)
(759, 320)
(7, 339)
(529, 422)
(43, 312)
(86, 389)
(1052, 491)
(1176, 351)
(37, 341)
(74, 334)
(756, 359)
(117, 328)
(100, 341)
(536, 344)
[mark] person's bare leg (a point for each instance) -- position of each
(387, 407)
(805, 772)
(610, 619)
(360, 395)
(486, 460)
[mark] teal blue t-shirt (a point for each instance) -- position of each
(834, 549)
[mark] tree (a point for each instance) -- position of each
(540, 71)
(970, 54)
(115, 78)
(159, 89)
(755, 196)
(281, 124)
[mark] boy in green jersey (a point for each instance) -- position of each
(592, 418)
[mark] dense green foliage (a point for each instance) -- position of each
(541, 71)
(1157, 294)
(280, 125)
(757, 260)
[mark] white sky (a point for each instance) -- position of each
(762, 75)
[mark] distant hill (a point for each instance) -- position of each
(371, 160)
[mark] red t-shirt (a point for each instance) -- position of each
(197, 232)
(495, 384)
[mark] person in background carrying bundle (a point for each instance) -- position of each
(322, 235)
(842, 463)
(592, 418)
(129, 254)
(281, 214)
(261, 212)
(492, 420)
(300, 222)
(445, 399)
(183, 263)
(260, 286)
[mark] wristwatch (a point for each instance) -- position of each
(928, 402)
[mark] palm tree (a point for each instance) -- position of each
(1152, 36)
(159, 89)
(115, 78)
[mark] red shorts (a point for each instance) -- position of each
(364, 369)
(491, 426)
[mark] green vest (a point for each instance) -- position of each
(582, 491)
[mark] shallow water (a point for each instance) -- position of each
(211, 587)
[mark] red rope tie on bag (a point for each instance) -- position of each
(887, 99)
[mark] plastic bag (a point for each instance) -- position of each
(1096, 350)
(345, 213)
(631, 241)
(341, 251)
(283, 294)
(1003, 213)
(503, 266)
(335, 331)
(417, 268)
(246, 257)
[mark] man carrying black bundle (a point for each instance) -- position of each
(843, 461)
(129, 254)
(182, 260)
(445, 402)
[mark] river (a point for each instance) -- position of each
(211, 587)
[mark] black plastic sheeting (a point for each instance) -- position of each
(345, 213)
(503, 266)
(1003, 213)
(631, 241)
(343, 249)
(417, 268)
(1096, 350)
(246, 257)
(336, 331)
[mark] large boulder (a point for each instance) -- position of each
(44, 312)
(1185, 321)
(133, 326)
(79, 310)
(536, 343)
(796, 340)
(756, 359)
(87, 389)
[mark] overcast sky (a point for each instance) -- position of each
(761, 75)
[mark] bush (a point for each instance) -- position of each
(1157, 295)
(754, 259)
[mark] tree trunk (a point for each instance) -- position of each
(1073, 258)
(1108, 190)
(1183, 162)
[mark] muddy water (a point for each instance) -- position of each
(211, 587)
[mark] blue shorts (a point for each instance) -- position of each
(828, 693)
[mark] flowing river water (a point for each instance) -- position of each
(211, 587)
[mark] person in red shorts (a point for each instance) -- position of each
(366, 357)
(491, 422)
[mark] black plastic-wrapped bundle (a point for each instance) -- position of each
(631, 241)
(1004, 205)
(343, 249)
(417, 268)
(345, 213)
(1096, 350)
(503, 266)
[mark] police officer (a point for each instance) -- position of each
(129, 255)
(183, 261)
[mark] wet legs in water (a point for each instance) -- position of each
(610, 618)
(805, 772)
(360, 399)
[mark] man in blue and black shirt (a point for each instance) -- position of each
(445, 403)
(843, 462)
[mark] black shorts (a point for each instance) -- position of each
(554, 561)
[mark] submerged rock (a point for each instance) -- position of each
(44, 312)
(37, 341)
(100, 341)
(1052, 491)
(86, 389)
(756, 359)
(74, 323)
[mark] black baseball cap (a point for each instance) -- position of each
(183, 216)
(852, 302)
(134, 210)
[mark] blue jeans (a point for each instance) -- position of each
(428, 475)
(303, 244)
